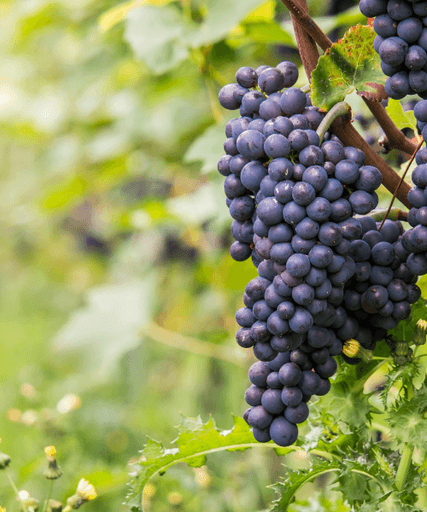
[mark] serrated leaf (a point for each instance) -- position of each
(399, 117)
(297, 479)
(349, 64)
(195, 441)
(407, 420)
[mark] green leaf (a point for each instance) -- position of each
(207, 148)
(399, 117)
(161, 36)
(222, 16)
(204, 204)
(156, 35)
(268, 33)
(297, 479)
(348, 65)
(407, 420)
(117, 13)
(195, 441)
(109, 326)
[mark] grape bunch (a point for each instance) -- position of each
(414, 241)
(382, 289)
(292, 200)
(401, 42)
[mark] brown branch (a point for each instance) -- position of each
(396, 139)
(342, 127)
(391, 180)
(307, 46)
(400, 183)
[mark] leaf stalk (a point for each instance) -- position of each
(338, 110)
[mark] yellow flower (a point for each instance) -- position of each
(50, 452)
(353, 348)
(2, 509)
(422, 324)
(86, 490)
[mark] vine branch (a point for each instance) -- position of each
(307, 33)
(400, 182)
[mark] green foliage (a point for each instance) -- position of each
(399, 117)
(195, 441)
(349, 64)
(117, 293)
(162, 36)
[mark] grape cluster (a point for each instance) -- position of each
(414, 241)
(382, 289)
(293, 201)
(401, 42)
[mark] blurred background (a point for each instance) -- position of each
(117, 292)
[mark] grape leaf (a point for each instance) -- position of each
(162, 37)
(156, 35)
(399, 117)
(195, 441)
(349, 64)
(107, 327)
(207, 148)
(117, 13)
(222, 16)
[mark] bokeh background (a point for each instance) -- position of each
(117, 293)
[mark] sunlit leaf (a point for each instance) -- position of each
(65, 193)
(118, 13)
(399, 117)
(348, 65)
(196, 440)
(156, 35)
(108, 326)
(207, 148)
(222, 16)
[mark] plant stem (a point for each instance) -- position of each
(395, 138)
(404, 465)
(15, 489)
(49, 493)
(338, 110)
(193, 345)
(400, 183)
(308, 33)
(392, 214)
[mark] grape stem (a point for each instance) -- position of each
(338, 110)
(400, 182)
(396, 139)
(392, 214)
(308, 33)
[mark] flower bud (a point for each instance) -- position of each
(54, 506)
(4, 460)
(352, 348)
(402, 348)
(85, 492)
(420, 332)
(31, 504)
(53, 469)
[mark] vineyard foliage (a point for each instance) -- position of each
(117, 292)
